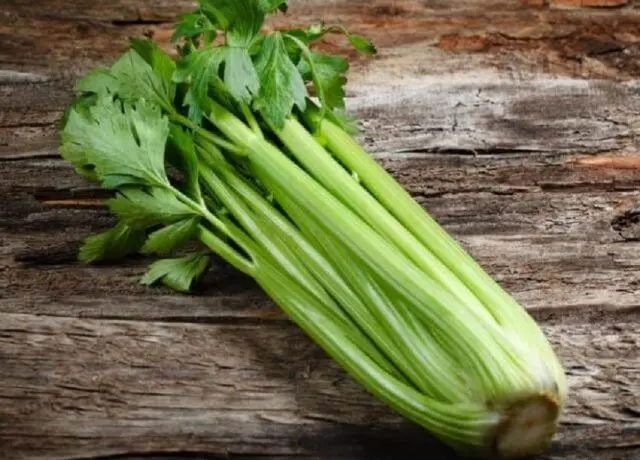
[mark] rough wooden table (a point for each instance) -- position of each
(516, 123)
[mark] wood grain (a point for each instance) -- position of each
(235, 389)
(513, 123)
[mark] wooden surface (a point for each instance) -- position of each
(516, 123)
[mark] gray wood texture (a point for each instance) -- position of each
(514, 123)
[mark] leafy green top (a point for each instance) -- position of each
(143, 116)
(124, 145)
(267, 72)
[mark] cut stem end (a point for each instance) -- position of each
(528, 427)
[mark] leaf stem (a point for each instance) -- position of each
(217, 140)
(278, 249)
(515, 322)
(464, 424)
(391, 324)
(326, 170)
(305, 253)
(229, 230)
(225, 251)
(251, 119)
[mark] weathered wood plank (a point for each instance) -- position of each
(119, 11)
(487, 112)
(93, 364)
(482, 113)
(163, 10)
(95, 388)
(513, 36)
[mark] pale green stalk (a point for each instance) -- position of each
(285, 248)
(402, 310)
(464, 425)
(414, 348)
(318, 163)
(481, 342)
(522, 329)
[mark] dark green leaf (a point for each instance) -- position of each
(138, 80)
(361, 44)
(194, 25)
(73, 153)
(188, 25)
(240, 19)
(194, 113)
(89, 173)
(81, 105)
(270, 6)
(256, 46)
(143, 72)
(182, 155)
(158, 59)
(306, 36)
(317, 31)
(199, 69)
(115, 181)
(142, 210)
(281, 86)
(115, 243)
(98, 81)
(327, 72)
(178, 274)
(202, 69)
(239, 74)
(128, 141)
(171, 237)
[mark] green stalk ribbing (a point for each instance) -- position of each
(459, 424)
(410, 344)
(320, 268)
(226, 252)
(414, 218)
(323, 167)
(277, 249)
(251, 120)
(214, 139)
(283, 253)
(480, 344)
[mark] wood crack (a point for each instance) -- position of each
(488, 151)
(175, 455)
(34, 124)
(139, 22)
(627, 225)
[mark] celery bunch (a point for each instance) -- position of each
(225, 145)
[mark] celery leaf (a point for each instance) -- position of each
(125, 143)
(179, 273)
(327, 72)
(112, 244)
(140, 209)
(169, 238)
(282, 86)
